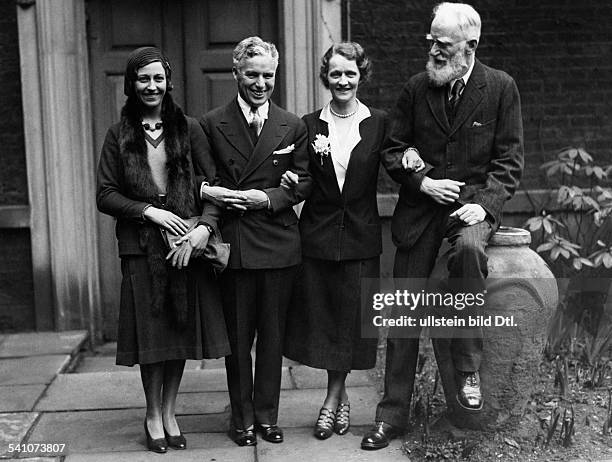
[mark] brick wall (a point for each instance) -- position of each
(16, 289)
(559, 52)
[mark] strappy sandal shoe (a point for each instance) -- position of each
(343, 419)
(324, 428)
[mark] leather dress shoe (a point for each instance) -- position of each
(243, 437)
(379, 435)
(270, 433)
(159, 445)
(469, 395)
(176, 442)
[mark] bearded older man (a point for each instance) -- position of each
(464, 120)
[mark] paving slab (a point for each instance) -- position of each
(122, 430)
(300, 445)
(107, 364)
(209, 423)
(119, 390)
(13, 429)
(92, 431)
(108, 348)
(16, 398)
(308, 377)
(32, 370)
(300, 408)
(39, 459)
(42, 343)
(216, 380)
(235, 454)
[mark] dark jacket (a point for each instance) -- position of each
(344, 226)
(125, 185)
(263, 238)
(483, 148)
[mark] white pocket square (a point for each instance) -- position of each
(476, 124)
(288, 150)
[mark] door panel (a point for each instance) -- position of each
(198, 37)
(214, 28)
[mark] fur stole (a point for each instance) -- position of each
(169, 284)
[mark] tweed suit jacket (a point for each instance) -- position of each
(344, 225)
(263, 238)
(483, 147)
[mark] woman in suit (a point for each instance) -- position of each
(341, 234)
(170, 308)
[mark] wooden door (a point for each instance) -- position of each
(214, 27)
(198, 38)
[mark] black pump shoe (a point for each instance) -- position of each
(159, 445)
(176, 442)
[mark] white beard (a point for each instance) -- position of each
(454, 68)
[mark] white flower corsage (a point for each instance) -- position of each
(321, 146)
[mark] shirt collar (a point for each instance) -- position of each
(246, 109)
(363, 112)
(465, 77)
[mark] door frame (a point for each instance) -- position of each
(56, 105)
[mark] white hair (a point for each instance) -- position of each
(466, 18)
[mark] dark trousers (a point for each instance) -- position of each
(467, 259)
(255, 301)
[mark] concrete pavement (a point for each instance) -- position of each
(53, 393)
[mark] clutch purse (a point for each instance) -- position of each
(216, 252)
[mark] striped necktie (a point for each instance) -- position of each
(256, 123)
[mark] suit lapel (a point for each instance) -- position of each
(273, 132)
(329, 173)
(233, 128)
(435, 100)
(359, 151)
(472, 96)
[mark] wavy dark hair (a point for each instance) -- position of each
(351, 51)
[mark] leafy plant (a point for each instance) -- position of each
(574, 231)
(573, 235)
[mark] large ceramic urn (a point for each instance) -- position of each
(520, 287)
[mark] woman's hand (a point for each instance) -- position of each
(190, 245)
(167, 220)
(411, 160)
(289, 180)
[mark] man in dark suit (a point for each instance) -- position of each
(464, 120)
(253, 142)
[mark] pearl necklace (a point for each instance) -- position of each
(343, 116)
(147, 126)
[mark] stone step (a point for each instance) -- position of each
(117, 390)
(29, 362)
(103, 431)
(42, 344)
(120, 430)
